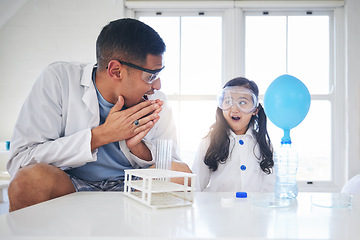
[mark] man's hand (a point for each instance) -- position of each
(148, 120)
(119, 124)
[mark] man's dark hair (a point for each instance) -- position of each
(129, 40)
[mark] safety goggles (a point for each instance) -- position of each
(149, 76)
(243, 98)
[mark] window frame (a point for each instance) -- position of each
(234, 13)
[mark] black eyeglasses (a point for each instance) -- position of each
(149, 76)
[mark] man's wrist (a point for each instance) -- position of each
(141, 151)
(98, 138)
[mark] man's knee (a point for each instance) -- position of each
(31, 176)
(37, 183)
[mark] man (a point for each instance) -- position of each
(82, 125)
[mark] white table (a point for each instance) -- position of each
(111, 215)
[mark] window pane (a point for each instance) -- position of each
(308, 51)
(193, 119)
(169, 30)
(312, 140)
(201, 55)
(265, 52)
(193, 55)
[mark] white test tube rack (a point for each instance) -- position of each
(153, 188)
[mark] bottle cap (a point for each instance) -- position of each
(241, 194)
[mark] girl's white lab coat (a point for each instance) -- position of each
(240, 172)
(55, 122)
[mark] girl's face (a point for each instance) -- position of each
(237, 118)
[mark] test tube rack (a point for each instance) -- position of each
(153, 187)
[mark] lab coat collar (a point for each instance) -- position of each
(89, 97)
(86, 79)
(249, 132)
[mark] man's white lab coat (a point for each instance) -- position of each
(55, 122)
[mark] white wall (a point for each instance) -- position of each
(44, 31)
(39, 33)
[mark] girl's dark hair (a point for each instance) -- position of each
(129, 40)
(219, 148)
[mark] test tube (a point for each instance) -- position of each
(163, 154)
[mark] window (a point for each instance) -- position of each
(207, 48)
(296, 43)
(193, 72)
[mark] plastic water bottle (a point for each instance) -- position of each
(286, 163)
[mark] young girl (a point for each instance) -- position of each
(237, 154)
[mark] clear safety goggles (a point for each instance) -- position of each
(149, 76)
(243, 98)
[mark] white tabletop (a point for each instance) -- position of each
(111, 215)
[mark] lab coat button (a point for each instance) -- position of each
(241, 142)
(243, 167)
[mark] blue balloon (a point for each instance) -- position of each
(286, 103)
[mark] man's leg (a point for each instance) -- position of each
(38, 183)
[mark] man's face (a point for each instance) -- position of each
(136, 81)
